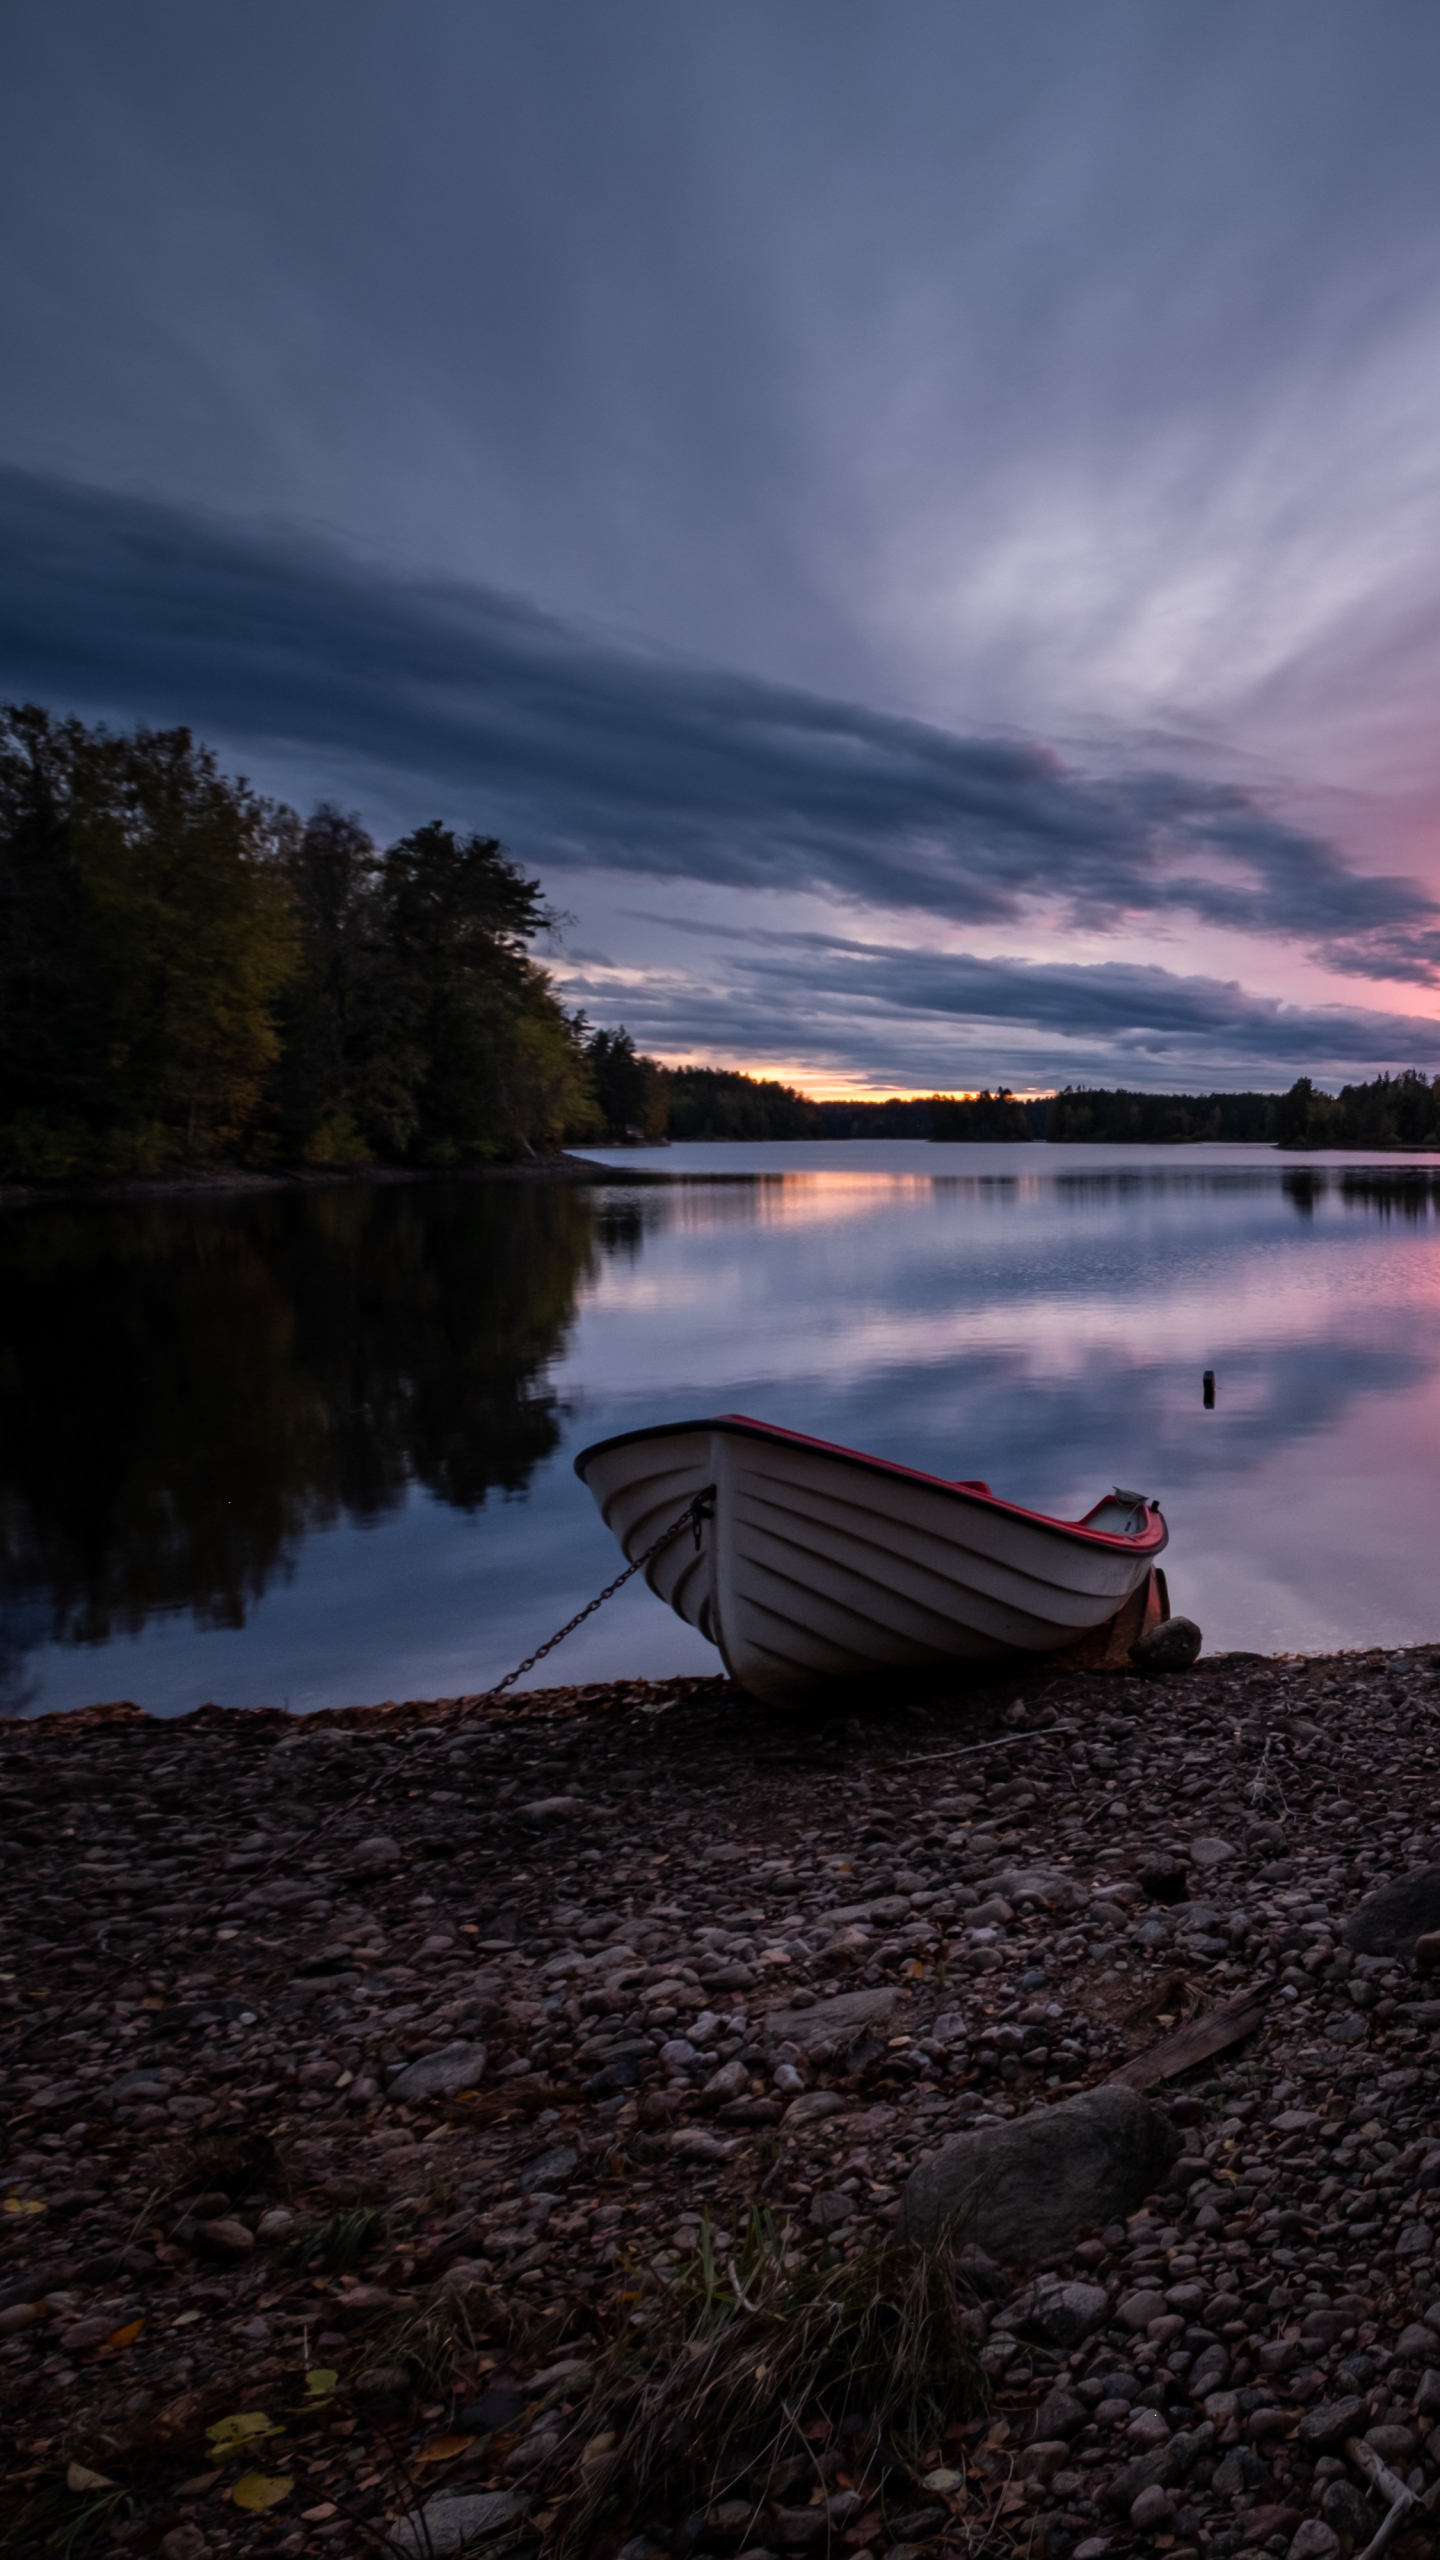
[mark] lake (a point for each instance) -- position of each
(314, 1448)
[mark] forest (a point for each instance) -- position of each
(192, 974)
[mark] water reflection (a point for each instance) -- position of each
(250, 1451)
(187, 1392)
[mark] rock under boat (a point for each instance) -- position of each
(810, 1565)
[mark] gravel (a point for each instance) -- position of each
(574, 2006)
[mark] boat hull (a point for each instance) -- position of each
(819, 1567)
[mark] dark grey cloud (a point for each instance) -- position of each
(589, 754)
(952, 1019)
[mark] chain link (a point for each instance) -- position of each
(692, 1517)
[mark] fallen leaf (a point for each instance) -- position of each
(318, 2515)
(127, 2336)
(186, 2318)
(444, 2448)
(77, 2477)
(255, 2492)
(196, 2488)
(320, 2380)
(25, 2204)
(228, 2434)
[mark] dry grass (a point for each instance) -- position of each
(724, 2371)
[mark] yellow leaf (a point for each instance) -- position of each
(127, 2336)
(255, 2493)
(77, 2477)
(321, 2380)
(444, 2448)
(25, 2204)
(228, 2434)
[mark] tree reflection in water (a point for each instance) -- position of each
(186, 1389)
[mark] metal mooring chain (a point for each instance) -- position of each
(701, 1509)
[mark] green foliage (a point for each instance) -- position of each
(631, 1092)
(188, 974)
(1393, 1111)
(1158, 1119)
(719, 1102)
(981, 1115)
(146, 933)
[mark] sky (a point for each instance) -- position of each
(920, 525)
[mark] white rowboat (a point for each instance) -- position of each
(816, 1565)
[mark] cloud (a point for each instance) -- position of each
(952, 1019)
(588, 754)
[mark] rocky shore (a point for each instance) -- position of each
(369, 2078)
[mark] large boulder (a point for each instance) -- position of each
(1389, 1921)
(1024, 2190)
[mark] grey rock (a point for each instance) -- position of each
(1061, 2413)
(1023, 2190)
(1061, 2313)
(439, 2075)
(1172, 1646)
(1160, 2469)
(551, 2169)
(1314, 2541)
(1347, 2512)
(1209, 2372)
(1037, 1884)
(811, 2108)
(1388, 1922)
(1331, 2423)
(1152, 2508)
(832, 2026)
(1416, 2240)
(452, 2524)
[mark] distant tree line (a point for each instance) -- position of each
(192, 973)
(189, 972)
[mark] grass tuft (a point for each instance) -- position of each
(338, 2241)
(724, 2370)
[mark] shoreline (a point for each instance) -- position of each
(236, 1181)
(577, 1919)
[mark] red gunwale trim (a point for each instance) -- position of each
(1152, 1539)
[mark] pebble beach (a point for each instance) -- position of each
(363, 2073)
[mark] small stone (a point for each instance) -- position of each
(546, 1809)
(1148, 2428)
(1393, 2444)
(451, 2523)
(1314, 2541)
(1154, 2507)
(732, 2080)
(439, 2075)
(21, 2315)
(1390, 1921)
(810, 2108)
(1135, 2311)
(1062, 2312)
(226, 2239)
(1210, 1852)
(1172, 1646)
(1427, 1952)
(1330, 2423)
(1416, 2343)
(1427, 2396)
(1041, 2461)
(829, 2209)
(384, 2391)
(1061, 2413)
(1416, 2240)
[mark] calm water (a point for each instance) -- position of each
(317, 1449)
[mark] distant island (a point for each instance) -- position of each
(193, 976)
